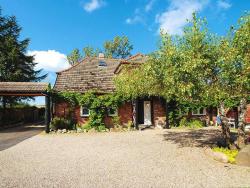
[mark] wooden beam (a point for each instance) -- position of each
(47, 113)
(23, 94)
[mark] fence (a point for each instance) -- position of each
(11, 116)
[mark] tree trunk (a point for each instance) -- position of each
(167, 126)
(134, 114)
(225, 126)
(241, 126)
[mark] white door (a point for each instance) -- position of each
(147, 113)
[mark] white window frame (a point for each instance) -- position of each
(84, 115)
(198, 110)
(115, 114)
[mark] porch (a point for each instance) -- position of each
(149, 111)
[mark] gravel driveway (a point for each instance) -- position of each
(150, 158)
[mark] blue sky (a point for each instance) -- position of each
(56, 27)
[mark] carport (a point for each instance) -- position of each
(29, 89)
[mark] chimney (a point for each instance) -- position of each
(101, 55)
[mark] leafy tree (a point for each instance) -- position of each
(196, 69)
(119, 47)
(239, 61)
(15, 64)
(74, 57)
(90, 52)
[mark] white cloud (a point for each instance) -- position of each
(149, 5)
(93, 5)
(138, 17)
(223, 4)
(134, 20)
(175, 17)
(50, 60)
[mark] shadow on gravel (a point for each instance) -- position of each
(194, 138)
(12, 136)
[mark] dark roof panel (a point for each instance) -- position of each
(23, 87)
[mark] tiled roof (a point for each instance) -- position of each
(23, 87)
(88, 75)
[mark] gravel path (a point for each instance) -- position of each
(129, 159)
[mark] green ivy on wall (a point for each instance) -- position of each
(96, 103)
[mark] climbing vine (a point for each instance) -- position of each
(96, 103)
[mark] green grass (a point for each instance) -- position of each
(231, 154)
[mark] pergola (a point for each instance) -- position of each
(29, 89)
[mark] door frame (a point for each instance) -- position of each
(149, 111)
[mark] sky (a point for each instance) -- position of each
(56, 27)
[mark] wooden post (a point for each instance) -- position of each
(47, 113)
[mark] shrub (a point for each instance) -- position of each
(87, 127)
(231, 154)
(61, 123)
(129, 125)
(194, 124)
(184, 122)
(117, 123)
(101, 128)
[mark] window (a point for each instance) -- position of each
(199, 112)
(102, 64)
(112, 112)
(84, 111)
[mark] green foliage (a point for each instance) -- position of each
(231, 154)
(98, 104)
(193, 124)
(116, 122)
(16, 65)
(89, 51)
(129, 125)
(184, 122)
(74, 57)
(119, 47)
(61, 123)
(101, 128)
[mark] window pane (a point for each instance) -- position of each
(201, 110)
(85, 111)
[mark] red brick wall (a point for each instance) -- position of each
(159, 113)
(125, 113)
(61, 109)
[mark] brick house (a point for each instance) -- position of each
(97, 74)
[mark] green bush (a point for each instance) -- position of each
(87, 127)
(61, 123)
(101, 128)
(231, 154)
(184, 122)
(129, 125)
(194, 124)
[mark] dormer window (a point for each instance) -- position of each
(102, 64)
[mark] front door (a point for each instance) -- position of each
(147, 113)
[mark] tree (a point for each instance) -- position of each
(74, 57)
(240, 52)
(15, 64)
(119, 47)
(90, 52)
